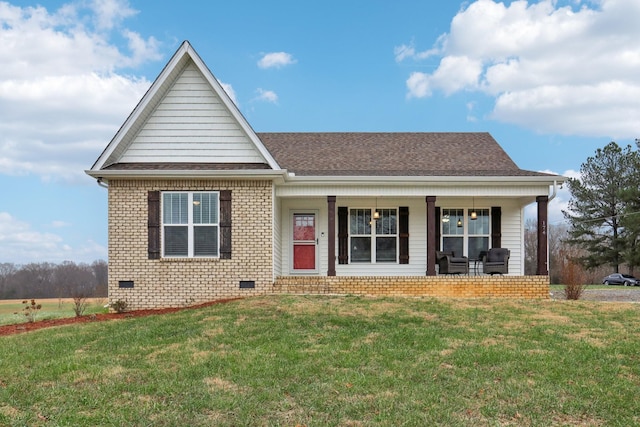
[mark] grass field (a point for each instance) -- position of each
(336, 361)
(12, 311)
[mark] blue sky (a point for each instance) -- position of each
(552, 81)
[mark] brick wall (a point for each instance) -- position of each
(181, 282)
(436, 286)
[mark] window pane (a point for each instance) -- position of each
(205, 208)
(175, 241)
(360, 221)
(481, 224)
(453, 244)
(174, 207)
(449, 220)
(360, 249)
(387, 222)
(205, 241)
(304, 227)
(386, 249)
(477, 245)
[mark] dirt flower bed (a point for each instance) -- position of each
(40, 324)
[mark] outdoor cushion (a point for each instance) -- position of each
(496, 255)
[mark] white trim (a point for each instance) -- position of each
(190, 225)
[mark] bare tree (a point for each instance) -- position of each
(7, 271)
(530, 246)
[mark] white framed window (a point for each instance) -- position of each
(373, 240)
(464, 235)
(190, 224)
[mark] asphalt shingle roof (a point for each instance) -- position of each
(391, 154)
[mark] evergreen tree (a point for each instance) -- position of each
(598, 205)
(630, 219)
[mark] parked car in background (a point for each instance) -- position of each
(620, 279)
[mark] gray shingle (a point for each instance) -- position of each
(391, 154)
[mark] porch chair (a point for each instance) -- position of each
(496, 261)
(451, 264)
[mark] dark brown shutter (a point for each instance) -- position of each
(403, 226)
(343, 235)
(438, 221)
(225, 224)
(153, 224)
(496, 227)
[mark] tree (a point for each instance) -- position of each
(557, 248)
(7, 270)
(597, 205)
(530, 246)
(630, 219)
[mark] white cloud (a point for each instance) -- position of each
(229, 91)
(267, 95)
(568, 69)
(109, 13)
(276, 60)
(62, 93)
(19, 243)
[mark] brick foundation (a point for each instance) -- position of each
(523, 287)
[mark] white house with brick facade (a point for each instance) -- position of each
(201, 207)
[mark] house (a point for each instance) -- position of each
(202, 207)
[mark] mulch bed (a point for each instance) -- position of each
(40, 324)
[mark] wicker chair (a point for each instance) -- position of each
(496, 261)
(450, 264)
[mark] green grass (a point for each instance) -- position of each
(333, 361)
(12, 311)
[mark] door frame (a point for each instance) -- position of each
(316, 214)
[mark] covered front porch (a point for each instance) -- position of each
(484, 286)
(324, 236)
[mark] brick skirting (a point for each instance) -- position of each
(528, 287)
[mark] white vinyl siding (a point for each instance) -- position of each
(191, 124)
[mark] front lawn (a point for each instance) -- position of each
(341, 361)
(12, 311)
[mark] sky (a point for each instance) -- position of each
(552, 81)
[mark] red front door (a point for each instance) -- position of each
(304, 241)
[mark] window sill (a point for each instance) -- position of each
(186, 259)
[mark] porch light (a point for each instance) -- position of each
(376, 214)
(459, 222)
(474, 215)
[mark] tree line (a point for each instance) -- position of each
(48, 280)
(562, 254)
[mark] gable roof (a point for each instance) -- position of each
(392, 154)
(186, 125)
(185, 117)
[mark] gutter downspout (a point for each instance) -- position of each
(553, 195)
(102, 183)
(555, 190)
